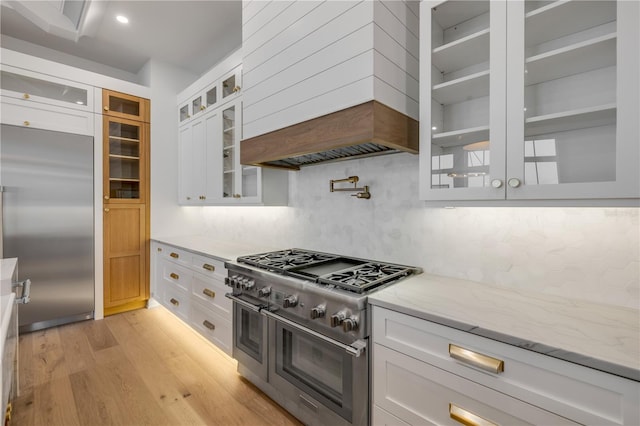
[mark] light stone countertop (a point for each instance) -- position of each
(603, 337)
(207, 246)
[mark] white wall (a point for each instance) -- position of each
(165, 81)
(588, 253)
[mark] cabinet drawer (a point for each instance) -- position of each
(212, 326)
(174, 254)
(42, 116)
(384, 418)
(176, 276)
(210, 291)
(583, 394)
(420, 393)
(177, 302)
(208, 266)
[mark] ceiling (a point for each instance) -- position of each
(193, 35)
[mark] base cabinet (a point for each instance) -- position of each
(192, 287)
(420, 378)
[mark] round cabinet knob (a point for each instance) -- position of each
(496, 183)
(236, 89)
(106, 108)
(317, 312)
(337, 319)
(349, 324)
(289, 302)
(264, 291)
(106, 197)
(26, 123)
(106, 210)
(26, 96)
(514, 182)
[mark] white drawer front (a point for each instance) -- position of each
(174, 254)
(174, 275)
(212, 326)
(210, 291)
(208, 266)
(382, 417)
(177, 301)
(420, 393)
(580, 393)
(41, 116)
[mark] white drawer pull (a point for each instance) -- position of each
(466, 418)
(209, 267)
(484, 362)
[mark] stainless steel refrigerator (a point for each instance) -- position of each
(48, 222)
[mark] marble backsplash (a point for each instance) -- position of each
(586, 253)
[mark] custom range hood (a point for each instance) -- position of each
(364, 130)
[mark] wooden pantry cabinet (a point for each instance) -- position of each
(529, 100)
(427, 373)
(125, 201)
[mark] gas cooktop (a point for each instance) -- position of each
(349, 273)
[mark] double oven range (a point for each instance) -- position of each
(301, 332)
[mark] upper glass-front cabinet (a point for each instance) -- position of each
(213, 96)
(530, 100)
(121, 105)
(30, 86)
(124, 160)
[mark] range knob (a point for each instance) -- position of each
(231, 281)
(289, 302)
(349, 324)
(337, 318)
(318, 312)
(264, 291)
(238, 281)
(248, 284)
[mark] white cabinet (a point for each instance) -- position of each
(525, 100)
(30, 99)
(210, 131)
(426, 373)
(192, 287)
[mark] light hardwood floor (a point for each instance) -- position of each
(143, 367)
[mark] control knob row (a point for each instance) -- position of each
(348, 324)
(238, 281)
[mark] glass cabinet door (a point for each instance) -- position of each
(231, 84)
(230, 152)
(463, 113)
(124, 160)
(125, 106)
(565, 135)
(27, 85)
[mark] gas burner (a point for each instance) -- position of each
(362, 277)
(285, 259)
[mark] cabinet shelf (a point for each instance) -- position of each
(461, 137)
(571, 120)
(123, 180)
(581, 57)
(124, 157)
(451, 13)
(462, 89)
(470, 50)
(564, 17)
(123, 139)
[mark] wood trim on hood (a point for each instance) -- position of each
(370, 127)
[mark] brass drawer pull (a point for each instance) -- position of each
(174, 276)
(174, 255)
(26, 96)
(484, 362)
(467, 418)
(209, 293)
(209, 267)
(208, 325)
(174, 302)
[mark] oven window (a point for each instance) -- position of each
(249, 337)
(319, 368)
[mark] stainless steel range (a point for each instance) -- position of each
(301, 332)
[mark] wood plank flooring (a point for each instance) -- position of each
(143, 367)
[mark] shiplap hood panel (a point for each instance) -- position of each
(328, 80)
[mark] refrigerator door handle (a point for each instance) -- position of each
(26, 291)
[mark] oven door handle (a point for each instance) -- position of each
(355, 349)
(243, 303)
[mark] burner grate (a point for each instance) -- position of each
(284, 260)
(365, 277)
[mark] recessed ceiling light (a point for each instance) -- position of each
(122, 19)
